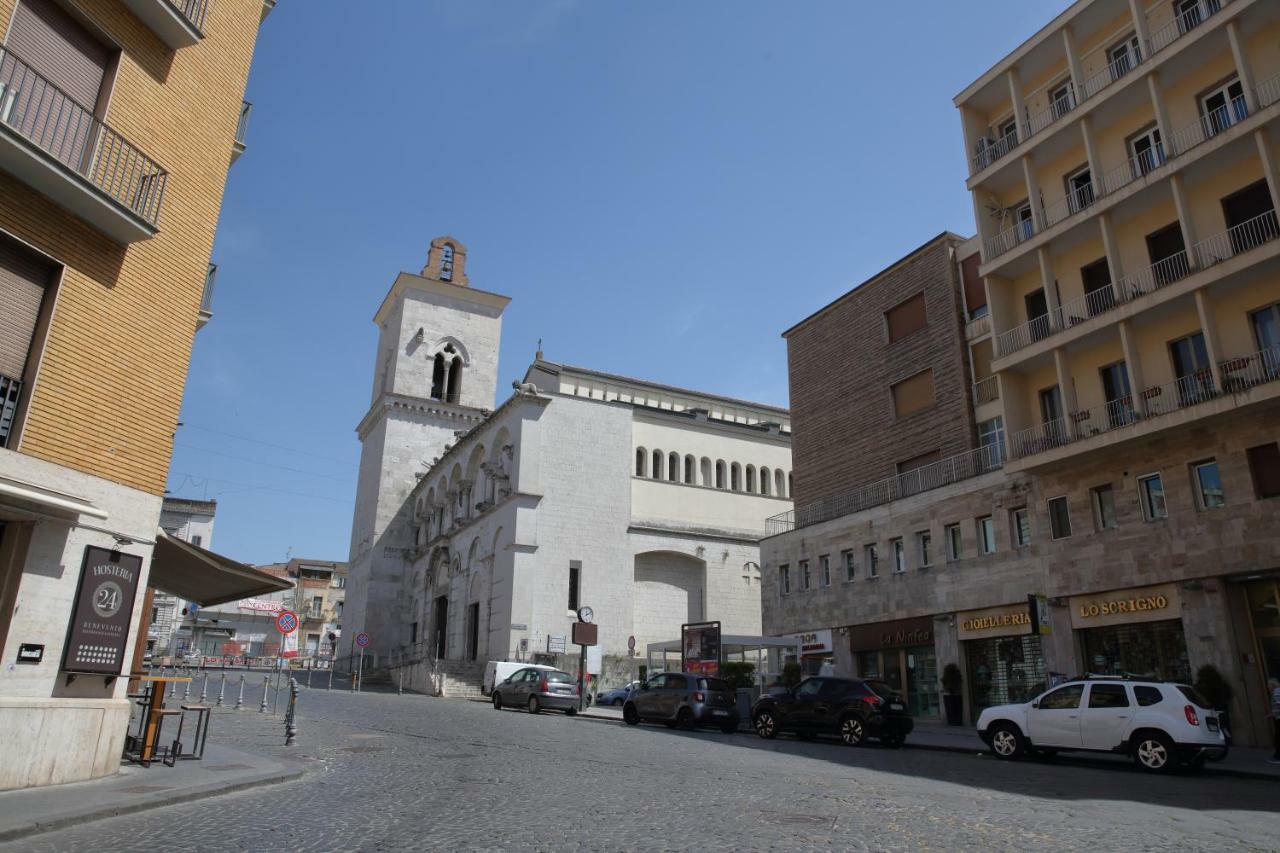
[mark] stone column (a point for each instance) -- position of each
(1133, 365)
(1073, 62)
(1033, 195)
(1019, 106)
(1243, 69)
(1209, 329)
(1140, 27)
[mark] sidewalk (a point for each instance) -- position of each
(136, 788)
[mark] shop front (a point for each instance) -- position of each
(1004, 660)
(902, 654)
(816, 652)
(1132, 632)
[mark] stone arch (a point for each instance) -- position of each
(751, 479)
(642, 462)
(690, 469)
(669, 589)
(780, 483)
(658, 459)
(765, 477)
(735, 477)
(706, 477)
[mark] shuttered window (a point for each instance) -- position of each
(23, 278)
(975, 293)
(913, 394)
(60, 49)
(906, 318)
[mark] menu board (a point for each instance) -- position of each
(103, 612)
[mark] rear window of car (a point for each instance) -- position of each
(1147, 695)
(559, 676)
(1193, 696)
(716, 684)
(881, 689)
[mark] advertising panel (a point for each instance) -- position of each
(103, 610)
(700, 648)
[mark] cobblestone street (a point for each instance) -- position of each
(392, 772)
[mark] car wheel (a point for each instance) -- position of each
(569, 712)
(617, 702)
(631, 716)
(534, 706)
(684, 718)
(497, 701)
(1006, 741)
(766, 726)
(852, 731)
(1153, 752)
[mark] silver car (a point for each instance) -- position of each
(537, 689)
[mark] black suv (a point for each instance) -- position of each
(852, 708)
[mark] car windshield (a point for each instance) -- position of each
(717, 684)
(558, 676)
(881, 689)
(1192, 695)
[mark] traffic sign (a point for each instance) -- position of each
(631, 642)
(362, 640)
(287, 622)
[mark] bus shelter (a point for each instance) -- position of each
(767, 653)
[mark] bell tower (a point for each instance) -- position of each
(435, 375)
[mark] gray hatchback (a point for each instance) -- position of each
(686, 700)
(536, 689)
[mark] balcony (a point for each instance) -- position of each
(242, 131)
(991, 151)
(59, 148)
(177, 23)
(206, 299)
(1209, 252)
(977, 327)
(10, 390)
(986, 391)
(1239, 375)
(935, 475)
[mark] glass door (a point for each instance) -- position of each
(1191, 367)
(1116, 391)
(892, 671)
(922, 681)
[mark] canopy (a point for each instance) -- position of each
(190, 572)
(28, 496)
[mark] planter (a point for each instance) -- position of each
(954, 706)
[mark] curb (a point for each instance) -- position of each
(146, 802)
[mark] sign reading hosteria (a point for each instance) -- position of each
(103, 610)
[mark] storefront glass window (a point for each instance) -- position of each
(1004, 670)
(1156, 650)
(922, 681)
(868, 664)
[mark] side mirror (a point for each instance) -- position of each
(1035, 704)
(644, 685)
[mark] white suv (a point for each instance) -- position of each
(1159, 723)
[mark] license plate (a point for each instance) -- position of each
(895, 706)
(720, 713)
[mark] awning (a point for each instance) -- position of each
(187, 571)
(28, 497)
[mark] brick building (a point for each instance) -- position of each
(1123, 333)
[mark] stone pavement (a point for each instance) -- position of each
(388, 772)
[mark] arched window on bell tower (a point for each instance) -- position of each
(455, 380)
(438, 377)
(446, 262)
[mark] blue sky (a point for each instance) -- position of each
(661, 187)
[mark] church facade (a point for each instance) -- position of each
(479, 532)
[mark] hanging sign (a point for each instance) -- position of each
(103, 611)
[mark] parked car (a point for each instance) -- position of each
(1161, 724)
(618, 695)
(538, 688)
(686, 700)
(853, 708)
(498, 671)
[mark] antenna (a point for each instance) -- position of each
(538, 354)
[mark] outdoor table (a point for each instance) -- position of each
(150, 732)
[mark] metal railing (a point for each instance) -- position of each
(1057, 108)
(986, 391)
(210, 279)
(44, 115)
(1024, 230)
(1236, 240)
(10, 390)
(1268, 91)
(1241, 374)
(242, 125)
(1114, 70)
(932, 476)
(990, 151)
(1208, 125)
(977, 327)
(193, 10)
(1183, 23)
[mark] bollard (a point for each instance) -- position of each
(290, 724)
(186, 694)
(275, 702)
(221, 688)
(400, 681)
(351, 672)
(204, 689)
(266, 685)
(330, 687)
(309, 671)
(240, 698)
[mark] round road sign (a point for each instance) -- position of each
(287, 622)
(631, 642)
(362, 640)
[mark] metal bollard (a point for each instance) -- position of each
(275, 702)
(309, 671)
(351, 672)
(222, 687)
(186, 694)
(204, 689)
(240, 697)
(290, 724)
(266, 685)
(330, 687)
(400, 681)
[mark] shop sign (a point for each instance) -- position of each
(1144, 604)
(260, 604)
(887, 635)
(103, 612)
(814, 642)
(1007, 621)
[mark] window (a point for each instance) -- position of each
(24, 279)
(575, 574)
(1108, 696)
(641, 456)
(197, 540)
(872, 558)
(1062, 99)
(1063, 699)
(991, 439)
(1147, 696)
(1124, 56)
(735, 477)
(913, 394)
(689, 466)
(784, 579)
(850, 569)
(924, 541)
(1191, 368)
(986, 535)
(824, 568)
(1059, 518)
(1079, 189)
(719, 473)
(1192, 12)
(804, 575)
(673, 467)
(905, 318)
(446, 262)
(413, 632)
(899, 555)
(1020, 521)
(1147, 151)
(1151, 496)
(658, 456)
(1168, 254)
(1223, 106)
(317, 605)
(1264, 466)
(954, 543)
(1208, 484)
(1104, 507)
(1266, 335)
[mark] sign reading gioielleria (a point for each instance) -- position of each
(1143, 604)
(1007, 621)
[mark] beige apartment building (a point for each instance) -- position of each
(118, 122)
(1122, 327)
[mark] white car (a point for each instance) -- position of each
(1160, 723)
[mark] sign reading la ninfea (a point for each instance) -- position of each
(103, 611)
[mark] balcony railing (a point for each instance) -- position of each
(986, 391)
(989, 152)
(1238, 239)
(10, 390)
(41, 113)
(1208, 126)
(977, 327)
(1238, 375)
(193, 10)
(242, 126)
(932, 476)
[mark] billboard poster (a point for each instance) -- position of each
(700, 648)
(103, 611)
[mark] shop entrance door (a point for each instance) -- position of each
(891, 669)
(1264, 612)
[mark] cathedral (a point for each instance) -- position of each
(481, 528)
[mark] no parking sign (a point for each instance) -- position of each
(362, 640)
(287, 622)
